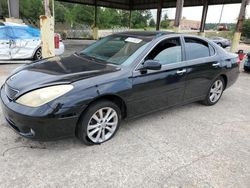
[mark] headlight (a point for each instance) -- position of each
(42, 96)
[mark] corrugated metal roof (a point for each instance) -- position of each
(146, 4)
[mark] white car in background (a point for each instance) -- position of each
(18, 41)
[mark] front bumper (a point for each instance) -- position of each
(42, 123)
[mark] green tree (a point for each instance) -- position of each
(31, 9)
(165, 22)
(140, 18)
(4, 7)
(59, 12)
(152, 22)
(246, 28)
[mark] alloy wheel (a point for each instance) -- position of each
(102, 125)
(216, 91)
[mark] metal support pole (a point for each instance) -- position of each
(203, 18)
(130, 16)
(239, 26)
(158, 19)
(178, 14)
(95, 28)
(95, 17)
(13, 6)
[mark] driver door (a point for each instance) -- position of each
(153, 90)
(4, 45)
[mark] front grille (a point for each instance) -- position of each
(10, 92)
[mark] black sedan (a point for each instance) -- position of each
(121, 76)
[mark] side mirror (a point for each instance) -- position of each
(151, 65)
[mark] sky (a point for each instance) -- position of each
(230, 13)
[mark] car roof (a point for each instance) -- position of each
(145, 35)
(10, 24)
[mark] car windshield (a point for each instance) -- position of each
(114, 49)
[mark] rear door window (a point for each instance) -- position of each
(22, 33)
(196, 48)
(3, 35)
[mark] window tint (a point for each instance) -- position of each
(196, 48)
(22, 33)
(3, 34)
(167, 51)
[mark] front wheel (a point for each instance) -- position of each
(215, 92)
(99, 122)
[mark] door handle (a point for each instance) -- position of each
(216, 64)
(181, 71)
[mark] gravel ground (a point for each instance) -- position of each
(188, 146)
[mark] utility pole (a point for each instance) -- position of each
(239, 26)
(1, 12)
(47, 30)
(13, 6)
(221, 13)
(178, 15)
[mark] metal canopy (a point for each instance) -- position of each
(147, 4)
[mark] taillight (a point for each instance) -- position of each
(56, 40)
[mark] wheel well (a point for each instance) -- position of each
(225, 80)
(115, 99)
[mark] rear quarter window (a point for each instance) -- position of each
(196, 48)
(22, 33)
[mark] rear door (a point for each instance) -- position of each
(202, 68)
(24, 44)
(4, 44)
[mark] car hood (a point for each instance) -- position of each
(57, 70)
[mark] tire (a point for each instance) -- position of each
(38, 54)
(90, 131)
(216, 90)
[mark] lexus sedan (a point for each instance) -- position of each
(123, 75)
(19, 41)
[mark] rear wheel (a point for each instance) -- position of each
(38, 54)
(215, 92)
(99, 122)
(220, 45)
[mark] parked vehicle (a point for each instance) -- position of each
(121, 76)
(222, 42)
(222, 27)
(18, 41)
(247, 63)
